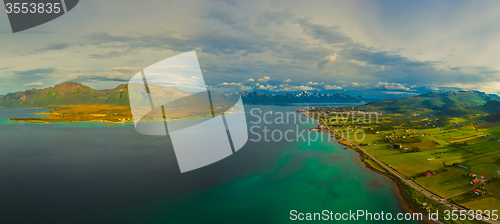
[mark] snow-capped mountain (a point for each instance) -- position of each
(299, 97)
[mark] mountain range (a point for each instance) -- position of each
(71, 93)
(454, 103)
(300, 97)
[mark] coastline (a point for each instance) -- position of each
(404, 200)
(410, 188)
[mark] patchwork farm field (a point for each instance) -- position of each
(447, 183)
(488, 203)
(437, 151)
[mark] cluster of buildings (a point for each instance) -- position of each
(319, 128)
(477, 178)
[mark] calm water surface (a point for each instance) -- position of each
(92, 173)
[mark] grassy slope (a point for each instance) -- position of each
(447, 103)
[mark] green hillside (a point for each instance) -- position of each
(71, 93)
(77, 96)
(446, 103)
(491, 106)
(68, 93)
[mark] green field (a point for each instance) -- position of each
(447, 183)
(439, 149)
(488, 203)
(435, 140)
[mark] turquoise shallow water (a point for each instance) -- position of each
(92, 173)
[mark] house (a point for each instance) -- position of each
(427, 174)
(477, 191)
(481, 176)
(474, 182)
(472, 175)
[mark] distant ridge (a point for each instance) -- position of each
(72, 93)
(68, 93)
(453, 103)
(491, 106)
(440, 100)
(300, 97)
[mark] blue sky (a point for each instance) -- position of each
(368, 48)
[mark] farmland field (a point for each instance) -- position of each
(447, 183)
(451, 151)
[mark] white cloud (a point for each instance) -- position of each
(287, 81)
(290, 88)
(241, 86)
(245, 88)
(231, 84)
(264, 79)
(333, 87)
(34, 84)
(323, 64)
(250, 80)
(355, 84)
(314, 83)
(393, 86)
(360, 63)
(268, 87)
(126, 69)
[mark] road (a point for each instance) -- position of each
(475, 186)
(403, 178)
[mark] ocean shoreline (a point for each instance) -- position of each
(403, 198)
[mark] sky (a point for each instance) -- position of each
(378, 49)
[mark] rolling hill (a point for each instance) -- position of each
(454, 103)
(491, 106)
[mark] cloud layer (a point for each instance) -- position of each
(358, 48)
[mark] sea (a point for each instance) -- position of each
(94, 173)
